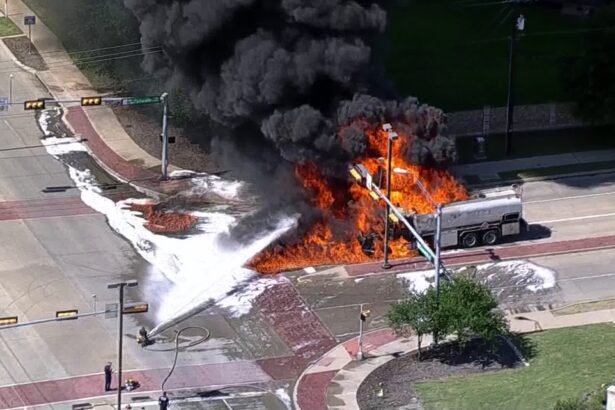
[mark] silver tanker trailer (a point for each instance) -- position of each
(484, 219)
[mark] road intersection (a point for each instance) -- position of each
(55, 253)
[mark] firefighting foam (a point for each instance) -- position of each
(348, 210)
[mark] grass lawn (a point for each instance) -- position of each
(8, 28)
(455, 56)
(569, 363)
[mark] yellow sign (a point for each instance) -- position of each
(393, 217)
(374, 195)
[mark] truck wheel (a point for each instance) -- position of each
(469, 240)
(490, 237)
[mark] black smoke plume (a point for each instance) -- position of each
(281, 78)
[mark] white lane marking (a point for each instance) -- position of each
(569, 197)
(575, 218)
(603, 275)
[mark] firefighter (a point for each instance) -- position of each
(142, 338)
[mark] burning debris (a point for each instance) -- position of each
(165, 222)
(290, 87)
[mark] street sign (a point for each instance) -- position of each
(141, 100)
(424, 251)
(29, 20)
(4, 104)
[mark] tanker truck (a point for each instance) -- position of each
(485, 218)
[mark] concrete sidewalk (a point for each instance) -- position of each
(113, 148)
(488, 171)
(333, 381)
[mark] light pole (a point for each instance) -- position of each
(165, 134)
(518, 25)
(10, 88)
(391, 136)
(120, 328)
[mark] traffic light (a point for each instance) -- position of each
(365, 314)
(67, 314)
(11, 320)
(34, 105)
(87, 101)
(139, 307)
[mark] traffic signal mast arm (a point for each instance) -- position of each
(403, 219)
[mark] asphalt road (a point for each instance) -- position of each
(56, 253)
(56, 260)
(567, 209)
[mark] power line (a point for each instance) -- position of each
(85, 51)
(100, 60)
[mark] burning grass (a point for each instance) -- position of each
(165, 222)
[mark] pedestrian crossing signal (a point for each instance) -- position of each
(34, 105)
(87, 101)
(365, 314)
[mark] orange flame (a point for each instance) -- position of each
(333, 239)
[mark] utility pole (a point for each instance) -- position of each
(391, 136)
(6, 8)
(518, 25)
(164, 98)
(120, 330)
(437, 258)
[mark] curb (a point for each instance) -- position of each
(20, 64)
(345, 345)
(147, 191)
(536, 179)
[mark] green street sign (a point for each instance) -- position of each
(426, 253)
(141, 100)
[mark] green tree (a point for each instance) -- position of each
(589, 77)
(467, 309)
(414, 315)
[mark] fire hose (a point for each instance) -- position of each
(194, 343)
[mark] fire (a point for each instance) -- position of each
(165, 222)
(349, 212)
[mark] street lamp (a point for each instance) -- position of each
(391, 136)
(518, 25)
(120, 328)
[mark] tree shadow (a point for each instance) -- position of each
(481, 353)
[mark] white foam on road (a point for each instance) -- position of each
(201, 267)
(418, 281)
(520, 273)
